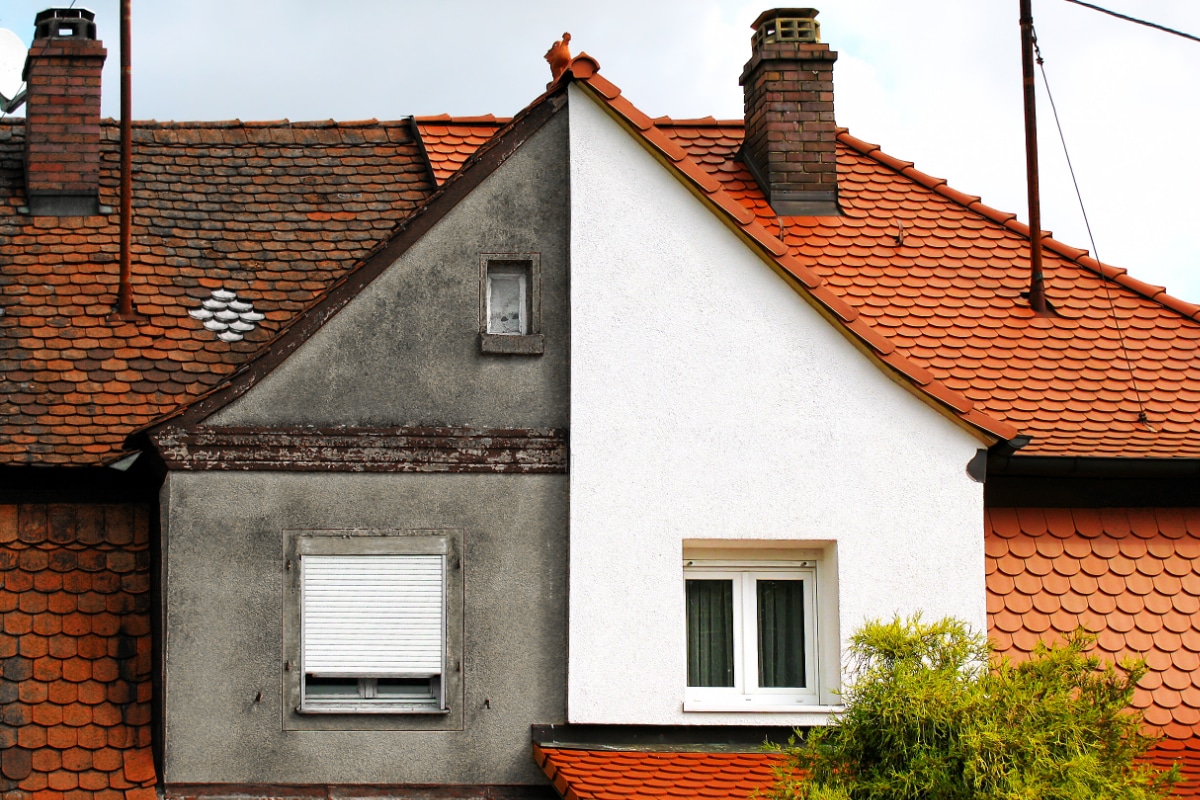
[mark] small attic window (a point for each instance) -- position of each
(510, 304)
(508, 298)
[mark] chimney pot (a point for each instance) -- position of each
(788, 84)
(65, 23)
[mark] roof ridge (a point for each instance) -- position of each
(709, 121)
(463, 120)
(1118, 275)
(845, 316)
(239, 123)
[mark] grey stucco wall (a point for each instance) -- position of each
(406, 350)
(224, 590)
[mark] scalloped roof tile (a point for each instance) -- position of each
(583, 774)
(451, 141)
(579, 773)
(275, 211)
(939, 275)
(925, 277)
(1131, 576)
(75, 652)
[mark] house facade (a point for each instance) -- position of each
(434, 443)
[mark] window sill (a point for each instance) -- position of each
(532, 344)
(758, 707)
(351, 708)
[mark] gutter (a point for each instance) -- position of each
(1086, 467)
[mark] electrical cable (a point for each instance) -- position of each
(1135, 20)
(1143, 418)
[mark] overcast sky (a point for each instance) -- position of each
(936, 82)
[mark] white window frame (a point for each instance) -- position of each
(746, 694)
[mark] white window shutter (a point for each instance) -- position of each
(373, 615)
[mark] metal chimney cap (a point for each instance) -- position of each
(787, 25)
(65, 23)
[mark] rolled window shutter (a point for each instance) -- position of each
(373, 615)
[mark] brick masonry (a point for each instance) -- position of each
(791, 136)
(62, 145)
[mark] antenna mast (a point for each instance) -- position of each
(1037, 294)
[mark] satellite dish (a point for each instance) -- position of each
(12, 63)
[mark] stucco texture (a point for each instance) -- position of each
(224, 608)
(406, 350)
(711, 402)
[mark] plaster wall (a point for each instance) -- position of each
(406, 349)
(224, 588)
(710, 401)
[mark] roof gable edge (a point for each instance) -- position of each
(345, 288)
(774, 253)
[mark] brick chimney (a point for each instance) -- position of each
(62, 114)
(790, 144)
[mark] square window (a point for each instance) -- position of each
(373, 630)
(751, 633)
(510, 303)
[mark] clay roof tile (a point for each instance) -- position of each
(1122, 594)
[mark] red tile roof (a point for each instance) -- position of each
(450, 141)
(1130, 576)
(583, 774)
(580, 774)
(75, 652)
(704, 174)
(925, 279)
(273, 211)
(929, 280)
(1186, 754)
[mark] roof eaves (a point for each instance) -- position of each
(775, 253)
(1009, 220)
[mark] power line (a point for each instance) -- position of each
(1143, 417)
(1127, 18)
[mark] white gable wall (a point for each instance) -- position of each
(709, 401)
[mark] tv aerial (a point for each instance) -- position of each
(12, 63)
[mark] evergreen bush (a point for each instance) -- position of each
(932, 714)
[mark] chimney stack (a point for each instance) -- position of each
(790, 144)
(62, 116)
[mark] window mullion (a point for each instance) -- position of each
(749, 645)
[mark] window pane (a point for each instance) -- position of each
(710, 633)
(506, 303)
(781, 634)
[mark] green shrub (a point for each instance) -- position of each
(931, 714)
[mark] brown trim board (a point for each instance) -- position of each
(397, 449)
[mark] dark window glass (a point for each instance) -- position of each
(780, 634)
(710, 632)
